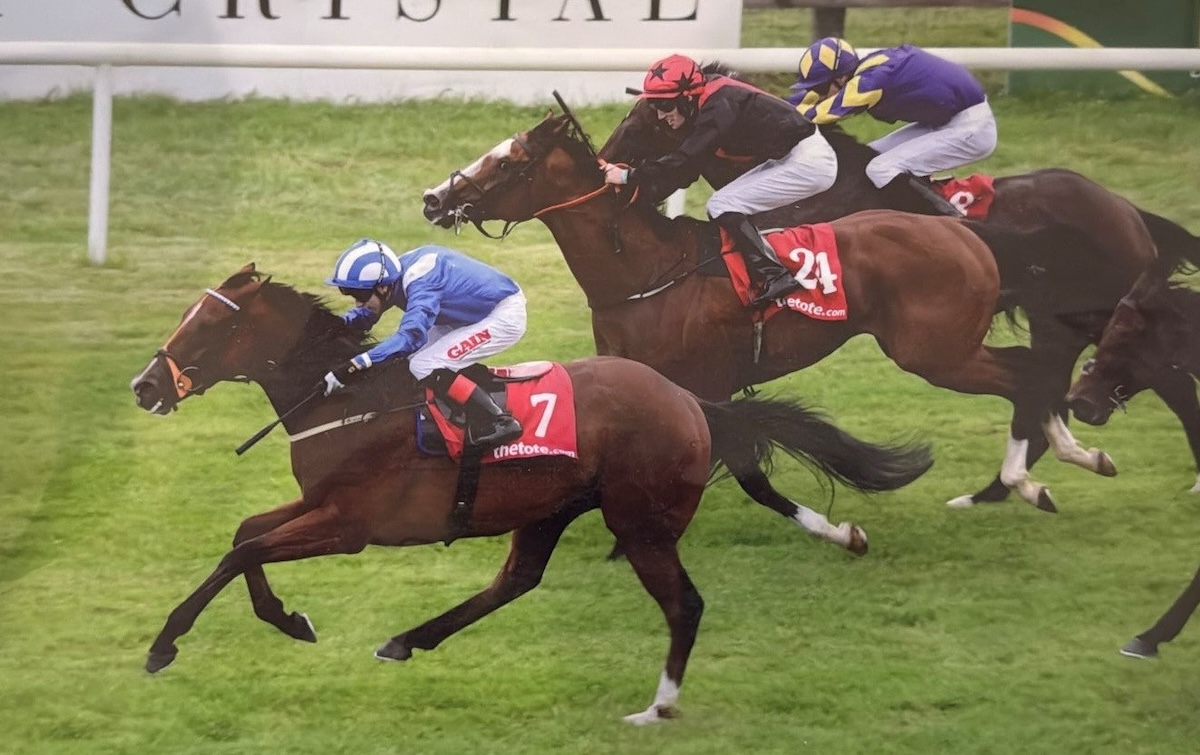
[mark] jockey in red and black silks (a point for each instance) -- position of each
(725, 117)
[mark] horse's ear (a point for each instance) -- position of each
(248, 268)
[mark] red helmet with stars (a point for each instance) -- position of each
(672, 76)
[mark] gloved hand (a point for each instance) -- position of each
(336, 379)
(615, 173)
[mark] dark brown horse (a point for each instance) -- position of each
(1128, 238)
(644, 453)
(924, 287)
(1152, 331)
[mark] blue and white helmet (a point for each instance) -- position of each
(366, 264)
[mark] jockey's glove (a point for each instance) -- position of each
(337, 378)
(616, 173)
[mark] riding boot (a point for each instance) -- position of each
(487, 423)
(930, 194)
(772, 280)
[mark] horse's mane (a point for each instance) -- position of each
(324, 341)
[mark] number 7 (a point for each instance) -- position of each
(549, 399)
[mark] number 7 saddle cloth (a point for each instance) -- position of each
(539, 394)
(809, 252)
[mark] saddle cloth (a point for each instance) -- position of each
(973, 194)
(809, 252)
(539, 394)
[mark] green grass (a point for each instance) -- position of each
(985, 631)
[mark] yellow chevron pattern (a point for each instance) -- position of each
(852, 97)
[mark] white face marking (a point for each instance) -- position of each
(501, 151)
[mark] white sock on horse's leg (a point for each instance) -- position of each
(663, 706)
(1067, 449)
(819, 526)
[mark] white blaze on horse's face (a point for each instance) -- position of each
(487, 171)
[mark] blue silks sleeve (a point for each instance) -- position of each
(424, 303)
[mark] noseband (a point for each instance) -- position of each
(185, 379)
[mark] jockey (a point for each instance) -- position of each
(950, 123)
(725, 117)
(457, 311)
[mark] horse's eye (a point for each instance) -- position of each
(504, 163)
(1087, 367)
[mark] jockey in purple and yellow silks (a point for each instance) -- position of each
(950, 123)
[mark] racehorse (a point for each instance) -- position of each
(1152, 331)
(644, 453)
(925, 287)
(1128, 237)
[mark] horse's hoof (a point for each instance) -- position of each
(302, 628)
(1195, 488)
(962, 502)
(652, 715)
(858, 540)
(156, 662)
(393, 650)
(1104, 465)
(1045, 502)
(1139, 648)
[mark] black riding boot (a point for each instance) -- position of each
(930, 194)
(772, 279)
(487, 423)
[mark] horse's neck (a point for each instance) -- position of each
(319, 346)
(614, 253)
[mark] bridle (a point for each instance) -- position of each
(186, 380)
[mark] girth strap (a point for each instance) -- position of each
(464, 492)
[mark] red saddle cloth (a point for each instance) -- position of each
(540, 395)
(809, 252)
(973, 194)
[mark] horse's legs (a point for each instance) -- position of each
(1145, 645)
(1067, 449)
(1177, 389)
(528, 555)
(848, 535)
(657, 566)
(267, 606)
(318, 532)
(998, 371)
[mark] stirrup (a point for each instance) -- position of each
(503, 429)
(776, 288)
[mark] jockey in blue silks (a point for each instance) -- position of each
(950, 123)
(457, 311)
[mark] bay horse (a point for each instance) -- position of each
(645, 451)
(1129, 238)
(924, 287)
(1152, 331)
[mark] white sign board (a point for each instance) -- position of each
(658, 24)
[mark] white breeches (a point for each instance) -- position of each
(457, 346)
(810, 168)
(924, 150)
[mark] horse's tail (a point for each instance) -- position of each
(1178, 250)
(746, 432)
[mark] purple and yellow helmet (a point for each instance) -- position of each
(823, 61)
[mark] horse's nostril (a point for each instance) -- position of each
(431, 201)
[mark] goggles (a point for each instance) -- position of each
(665, 104)
(360, 295)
